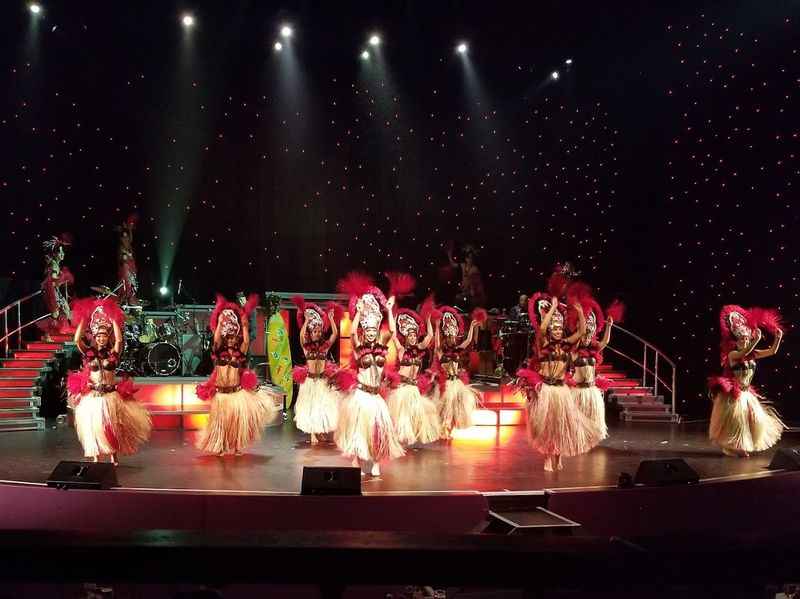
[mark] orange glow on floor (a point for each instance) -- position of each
(483, 435)
(489, 417)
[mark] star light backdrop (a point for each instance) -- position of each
(661, 161)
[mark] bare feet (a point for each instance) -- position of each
(376, 469)
(114, 459)
(238, 452)
(314, 439)
(548, 463)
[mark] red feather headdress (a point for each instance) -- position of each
(303, 307)
(400, 283)
(98, 313)
(445, 310)
(408, 320)
(230, 310)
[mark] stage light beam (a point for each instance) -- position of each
(35, 8)
(286, 31)
(187, 20)
(163, 290)
(462, 48)
(375, 40)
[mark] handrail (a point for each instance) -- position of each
(6, 339)
(658, 356)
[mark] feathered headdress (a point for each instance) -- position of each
(98, 314)
(452, 321)
(57, 241)
(539, 305)
(408, 321)
(310, 313)
(231, 315)
(400, 284)
(361, 287)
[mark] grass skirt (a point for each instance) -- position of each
(415, 417)
(456, 405)
(108, 424)
(317, 408)
(590, 402)
(236, 420)
(743, 423)
(556, 425)
(365, 428)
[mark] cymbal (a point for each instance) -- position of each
(103, 290)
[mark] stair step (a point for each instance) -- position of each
(649, 416)
(27, 383)
(17, 413)
(625, 383)
(30, 402)
(647, 407)
(44, 345)
(20, 392)
(22, 424)
(613, 376)
(23, 363)
(630, 391)
(17, 373)
(24, 354)
(62, 337)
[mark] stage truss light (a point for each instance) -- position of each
(286, 31)
(187, 20)
(278, 46)
(554, 75)
(163, 290)
(365, 55)
(462, 48)
(374, 40)
(568, 61)
(35, 8)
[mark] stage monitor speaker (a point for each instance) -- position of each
(660, 473)
(331, 481)
(83, 475)
(787, 458)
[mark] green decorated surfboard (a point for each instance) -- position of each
(279, 355)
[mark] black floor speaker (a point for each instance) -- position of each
(659, 473)
(83, 475)
(331, 481)
(787, 458)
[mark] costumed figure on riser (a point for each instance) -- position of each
(414, 413)
(108, 419)
(454, 397)
(365, 432)
(127, 262)
(587, 388)
(740, 423)
(316, 410)
(239, 410)
(555, 425)
(56, 277)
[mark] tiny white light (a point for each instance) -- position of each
(375, 40)
(163, 290)
(35, 8)
(554, 75)
(365, 55)
(278, 46)
(462, 48)
(187, 20)
(286, 31)
(568, 61)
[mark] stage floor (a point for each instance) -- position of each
(488, 459)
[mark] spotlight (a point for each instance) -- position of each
(278, 46)
(375, 40)
(286, 31)
(35, 8)
(568, 61)
(554, 75)
(163, 290)
(187, 20)
(462, 48)
(365, 55)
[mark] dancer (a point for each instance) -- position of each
(317, 407)
(238, 413)
(556, 426)
(415, 415)
(108, 419)
(56, 278)
(365, 432)
(455, 398)
(740, 423)
(127, 262)
(587, 355)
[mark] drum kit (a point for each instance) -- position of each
(515, 337)
(152, 347)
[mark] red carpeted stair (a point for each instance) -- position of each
(20, 391)
(637, 403)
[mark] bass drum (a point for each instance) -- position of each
(163, 359)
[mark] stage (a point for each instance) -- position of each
(483, 459)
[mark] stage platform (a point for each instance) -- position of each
(483, 459)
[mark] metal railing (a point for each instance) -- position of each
(14, 311)
(651, 363)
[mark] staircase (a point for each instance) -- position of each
(637, 403)
(20, 377)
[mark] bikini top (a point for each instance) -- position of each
(555, 351)
(412, 356)
(371, 354)
(227, 357)
(101, 359)
(587, 356)
(450, 354)
(315, 350)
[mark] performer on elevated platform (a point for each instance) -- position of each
(238, 412)
(740, 423)
(316, 410)
(365, 432)
(127, 262)
(108, 419)
(56, 277)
